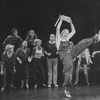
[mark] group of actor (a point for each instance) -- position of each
(26, 57)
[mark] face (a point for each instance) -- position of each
(39, 43)
(15, 34)
(10, 50)
(32, 33)
(65, 34)
(52, 37)
(24, 44)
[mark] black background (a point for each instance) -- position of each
(41, 16)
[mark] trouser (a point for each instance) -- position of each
(68, 78)
(8, 74)
(24, 71)
(38, 70)
(52, 70)
(67, 57)
(96, 68)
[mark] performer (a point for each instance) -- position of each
(52, 60)
(67, 55)
(31, 36)
(13, 39)
(84, 61)
(22, 55)
(36, 66)
(96, 60)
(8, 66)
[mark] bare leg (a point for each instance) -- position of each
(27, 86)
(22, 84)
(68, 79)
(86, 74)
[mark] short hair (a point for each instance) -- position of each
(9, 47)
(12, 31)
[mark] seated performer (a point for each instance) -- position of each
(36, 66)
(8, 66)
(68, 55)
(84, 61)
(22, 55)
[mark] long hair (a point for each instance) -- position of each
(28, 35)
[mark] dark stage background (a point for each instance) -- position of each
(41, 16)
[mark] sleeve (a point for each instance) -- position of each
(6, 41)
(3, 57)
(29, 52)
(33, 51)
(14, 58)
(17, 53)
(20, 41)
(43, 50)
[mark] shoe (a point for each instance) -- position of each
(27, 86)
(56, 85)
(49, 86)
(67, 94)
(2, 89)
(35, 86)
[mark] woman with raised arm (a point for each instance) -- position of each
(66, 54)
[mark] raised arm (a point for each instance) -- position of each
(73, 31)
(58, 38)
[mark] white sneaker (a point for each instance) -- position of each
(56, 85)
(49, 86)
(67, 94)
(2, 89)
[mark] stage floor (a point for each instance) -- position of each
(78, 93)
